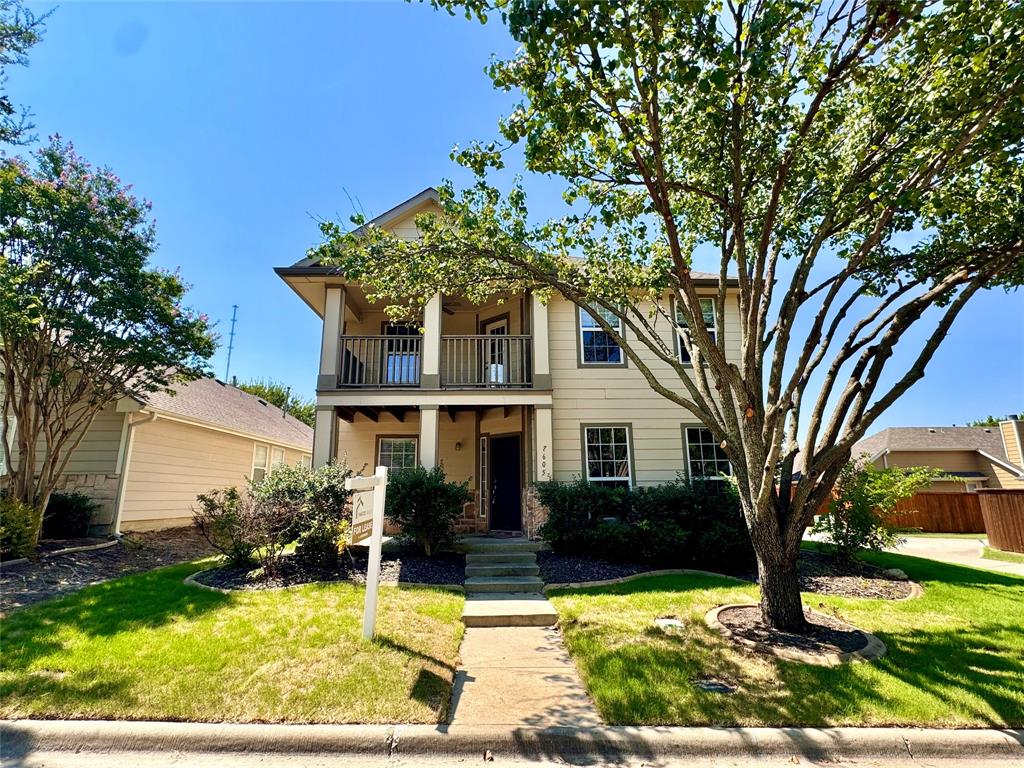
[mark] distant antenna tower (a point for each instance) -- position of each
(231, 341)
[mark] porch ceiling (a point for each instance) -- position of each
(401, 412)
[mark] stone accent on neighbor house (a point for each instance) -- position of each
(98, 486)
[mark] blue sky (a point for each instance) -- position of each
(244, 121)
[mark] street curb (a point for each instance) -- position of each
(873, 649)
(25, 737)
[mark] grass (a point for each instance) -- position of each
(955, 656)
(150, 647)
(997, 554)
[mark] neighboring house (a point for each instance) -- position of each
(972, 458)
(500, 395)
(145, 460)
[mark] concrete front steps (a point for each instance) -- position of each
(503, 585)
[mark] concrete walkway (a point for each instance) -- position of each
(520, 676)
(958, 552)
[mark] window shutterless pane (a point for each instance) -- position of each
(596, 345)
(607, 451)
(707, 309)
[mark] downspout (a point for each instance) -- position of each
(126, 460)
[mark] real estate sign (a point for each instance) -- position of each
(368, 523)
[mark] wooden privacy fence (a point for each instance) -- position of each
(940, 513)
(1003, 512)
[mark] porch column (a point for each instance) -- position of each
(325, 436)
(430, 376)
(543, 440)
(330, 342)
(539, 329)
(428, 435)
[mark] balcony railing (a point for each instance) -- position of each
(467, 362)
(471, 362)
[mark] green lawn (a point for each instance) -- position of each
(997, 554)
(955, 656)
(150, 647)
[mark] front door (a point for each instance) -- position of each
(506, 479)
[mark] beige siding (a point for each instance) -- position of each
(1013, 435)
(172, 462)
(584, 395)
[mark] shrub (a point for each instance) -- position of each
(221, 521)
(864, 496)
(269, 522)
(67, 515)
(574, 509)
(426, 506)
(678, 524)
(322, 517)
(17, 529)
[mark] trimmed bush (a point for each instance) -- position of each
(426, 506)
(675, 525)
(219, 518)
(17, 529)
(67, 516)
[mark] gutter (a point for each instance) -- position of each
(126, 460)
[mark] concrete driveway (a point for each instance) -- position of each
(957, 551)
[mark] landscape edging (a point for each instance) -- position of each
(27, 737)
(873, 649)
(57, 553)
(642, 574)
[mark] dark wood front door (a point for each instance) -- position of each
(506, 483)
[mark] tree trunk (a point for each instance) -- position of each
(781, 607)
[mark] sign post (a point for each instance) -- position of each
(368, 522)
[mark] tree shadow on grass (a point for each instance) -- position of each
(684, 582)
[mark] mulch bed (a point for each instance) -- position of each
(41, 579)
(828, 634)
(827, 576)
(560, 568)
(395, 568)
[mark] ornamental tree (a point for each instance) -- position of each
(855, 166)
(83, 320)
(276, 393)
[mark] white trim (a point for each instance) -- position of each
(206, 425)
(125, 468)
(1004, 464)
(436, 397)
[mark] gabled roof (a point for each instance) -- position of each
(214, 403)
(308, 267)
(985, 439)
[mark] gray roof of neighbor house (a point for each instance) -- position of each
(213, 402)
(985, 439)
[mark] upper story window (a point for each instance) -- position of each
(705, 459)
(597, 347)
(608, 458)
(707, 309)
(306, 461)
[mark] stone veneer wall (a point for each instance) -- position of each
(101, 488)
(472, 521)
(536, 514)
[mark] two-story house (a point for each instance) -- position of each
(500, 395)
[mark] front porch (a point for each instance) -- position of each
(492, 447)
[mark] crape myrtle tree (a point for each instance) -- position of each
(855, 166)
(83, 320)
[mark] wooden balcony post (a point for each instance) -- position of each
(539, 330)
(428, 435)
(330, 342)
(430, 377)
(543, 442)
(325, 436)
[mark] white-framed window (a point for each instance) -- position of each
(607, 455)
(597, 347)
(306, 461)
(260, 461)
(276, 458)
(707, 309)
(396, 453)
(705, 459)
